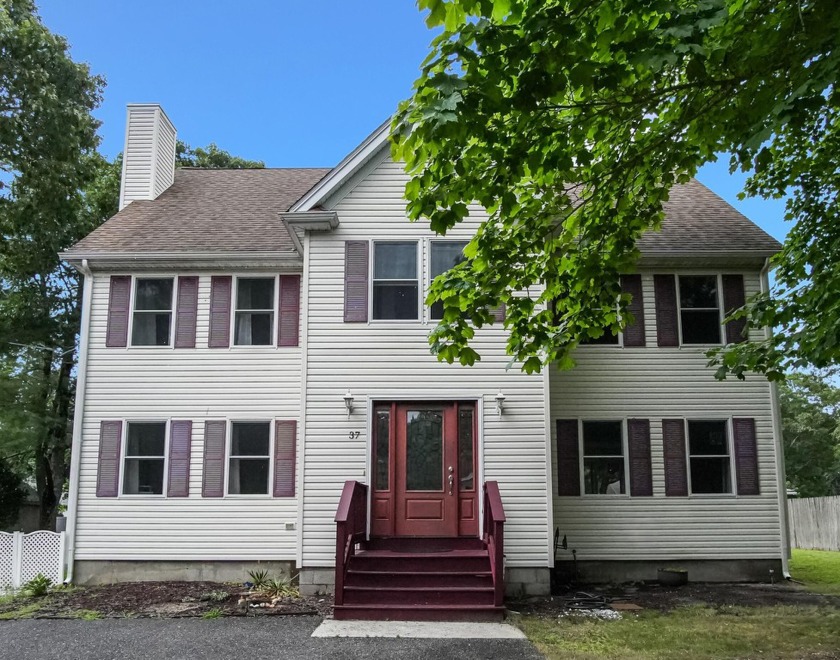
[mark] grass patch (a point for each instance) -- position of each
(818, 569)
(22, 612)
(215, 613)
(85, 615)
(698, 632)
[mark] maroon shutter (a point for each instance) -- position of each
(498, 313)
(734, 298)
(180, 440)
(285, 436)
(288, 316)
(186, 312)
(108, 472)
(568, 457)
(638, 441)
(119, 302)
(213, 477)
(634, 334)
(356, 281)
(665, 291)
(220, 299)
(673, 445)
(746, 455)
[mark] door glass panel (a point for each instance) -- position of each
(424, 450)
(383, 444)
(465, 448)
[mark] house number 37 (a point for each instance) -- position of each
(355, 434)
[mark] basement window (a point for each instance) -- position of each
(250, 458)
(145, 458)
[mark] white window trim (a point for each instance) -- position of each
(730, 447)
(124, 456)
(427, 273)
(172, 311)
(234, 295)
(624, 449)
(420, 270)
(719, 286)
(229, 441)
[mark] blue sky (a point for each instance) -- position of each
(291, 83)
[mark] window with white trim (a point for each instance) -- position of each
(396, 290)
(152, 315)
(443, 255)
(254, 316)
(699, 302)
(249, 459)
(603, 458)
(144, 464)
(708, 457)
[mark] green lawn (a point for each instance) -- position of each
(693, 632)
(818, 569)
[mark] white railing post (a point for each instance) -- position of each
(17, 559)
(62, 556)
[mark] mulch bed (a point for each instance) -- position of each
(163, 599)
(652, 596)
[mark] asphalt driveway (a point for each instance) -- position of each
(231, 638)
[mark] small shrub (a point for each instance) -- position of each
(37, 586)
(87, 615)
(280, 587)
(259, 579)
(217, 596)
(215, 613)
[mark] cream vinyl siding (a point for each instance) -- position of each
(156, 383)
(390, 360)
(656, 383)
(149, 160)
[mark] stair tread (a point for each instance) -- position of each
(362, 571)
(395, 554)
(403, 606)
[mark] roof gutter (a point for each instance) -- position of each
(778, 438)
(78, 418)
(289, 261)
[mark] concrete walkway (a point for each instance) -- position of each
(229, 639)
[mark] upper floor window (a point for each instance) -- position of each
(699, 309)
(396, 287)
(250, 458)
(609, 338)
(145, 458)
(443, 256)
(603, 458)
(254, 318)
(708, 457)
(152, 318)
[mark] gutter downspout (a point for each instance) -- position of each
(78, 418)
(779, 449)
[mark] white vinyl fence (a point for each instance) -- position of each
(815, 523)
(23, 556)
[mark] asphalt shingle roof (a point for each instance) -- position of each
(216, 211)
(208, 211)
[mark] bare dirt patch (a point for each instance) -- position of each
(161, 599)
(651, 596)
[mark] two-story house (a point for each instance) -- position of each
(255, 386)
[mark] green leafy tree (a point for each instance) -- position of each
(570, 120)
(212, 157)
(811, 424)
(12, 494)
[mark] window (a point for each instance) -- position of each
(443, 256)
(254, 319)
(609, 338)
(152, 318)
(699, 309)
(708, 457)
(603, 458)
(145, 458)
(395, 284)
(250, 457)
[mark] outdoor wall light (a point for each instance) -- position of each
(348, 403)
(500, 403)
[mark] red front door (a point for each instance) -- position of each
(424, 470)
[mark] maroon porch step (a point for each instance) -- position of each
(425, 544)
(418, 595)
(455, 561)
(424, 579)
(383, 612)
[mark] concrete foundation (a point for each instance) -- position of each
(730, 570)
(108, 572)
(317, 581)
(523, 582)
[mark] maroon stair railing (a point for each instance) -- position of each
(351, 528)
(494, 536)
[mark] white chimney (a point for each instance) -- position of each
(149, 156)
